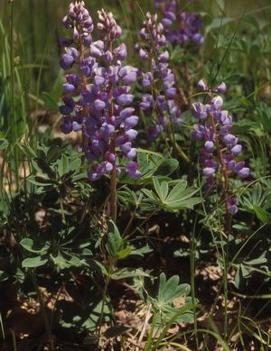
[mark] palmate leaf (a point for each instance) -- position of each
(152, 164)
(255, 201)
(119, 248)
(68, 164)
(179, 197)
(170, 291)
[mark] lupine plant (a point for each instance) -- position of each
(111, 236)
(103, 110)
(220, 161)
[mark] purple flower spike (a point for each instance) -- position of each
(152, 50)
(181, 28)
(97, 95)
(220, 146)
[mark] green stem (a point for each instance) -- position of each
(12, 86)
(177, 149)
(51, 346)
(227, 224)
(113, 195)
(193, 287)
(107, 281)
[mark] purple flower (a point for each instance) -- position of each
(99, 105)
(236, 150)
(230, 139)
(244, 172)
(125, 99)
(221, 88)
(121, 52)
(202, 85)
(217, 102)
(68, 88)
(131, 122)
(66, 61)
(208, 171)
(132, 170)
(199, 110)
(209, 146)
(232, 205)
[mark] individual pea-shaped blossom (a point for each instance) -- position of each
(158, 81)
(220, 147)
(181, 27)
(97, 92)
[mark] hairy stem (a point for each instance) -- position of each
(193, 287)
(113, 195)
(227, 224)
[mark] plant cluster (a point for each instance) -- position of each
(135, 213)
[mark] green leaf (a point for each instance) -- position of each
(63, 165)
(141, 252)
(3, 144)
(262, 214)
(39, 181)
(27, 244)
(170, 289)
(171, 304)
(167, 167)
(34, 262)
(60, 261)
(219, 22)
(160, 188)
(180, 197)
(115, 243)
(124, 253)
(128, 273)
